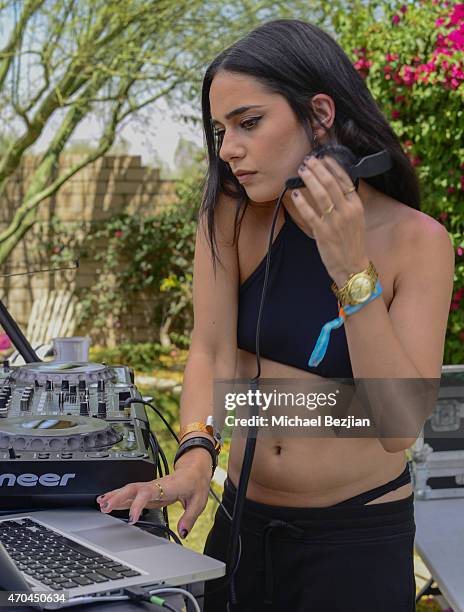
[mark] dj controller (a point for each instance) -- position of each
(68, 433)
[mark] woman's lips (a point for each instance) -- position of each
(245, 178)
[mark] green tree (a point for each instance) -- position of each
(187, 157)
(63, 60)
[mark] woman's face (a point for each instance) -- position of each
(265, 139)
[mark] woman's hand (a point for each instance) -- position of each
(334, 217)
(189, 484)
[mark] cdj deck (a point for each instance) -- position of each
(66, 434)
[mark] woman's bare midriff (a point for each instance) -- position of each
(311, 471)
(315, 472)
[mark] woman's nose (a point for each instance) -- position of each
(231, 148)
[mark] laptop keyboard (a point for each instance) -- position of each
(54, 560)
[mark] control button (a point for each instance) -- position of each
(66, 455)
(97, 455)
(43, 455)
(126, 454)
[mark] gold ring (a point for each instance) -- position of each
(157, 484)
(350, 190)
(328, 210)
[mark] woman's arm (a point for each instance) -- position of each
(407, 341)
(212, 354)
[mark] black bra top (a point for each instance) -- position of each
(298, 302)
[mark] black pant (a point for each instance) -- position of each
(343, 558)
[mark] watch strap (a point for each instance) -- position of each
(199, 441)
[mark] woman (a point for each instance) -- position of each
(344, 506)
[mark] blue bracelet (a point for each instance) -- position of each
(324, 337)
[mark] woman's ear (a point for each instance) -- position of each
(323, 107)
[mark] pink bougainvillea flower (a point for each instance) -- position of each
(439, 21)
(5, 342)
(460, 251)
(118, 234)
(458, 294)
(408, 143)
(396, 19)
(454, 306)
(395, 114)
(457, 15)
(403, 9)
(451, 189)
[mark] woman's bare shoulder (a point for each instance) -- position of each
(411, 228)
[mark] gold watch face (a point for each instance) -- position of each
(360, 290)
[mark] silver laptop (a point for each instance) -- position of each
(83, 552)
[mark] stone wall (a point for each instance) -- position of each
(107, 187)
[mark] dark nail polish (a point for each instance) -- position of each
(183, 533)
(106, 504)
(302, 167)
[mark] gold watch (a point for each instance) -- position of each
(358, 288)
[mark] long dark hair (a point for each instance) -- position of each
(299, 60)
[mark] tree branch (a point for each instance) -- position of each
(8, 53)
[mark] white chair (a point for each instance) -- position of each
(52, 316)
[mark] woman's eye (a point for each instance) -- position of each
(248, 124)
